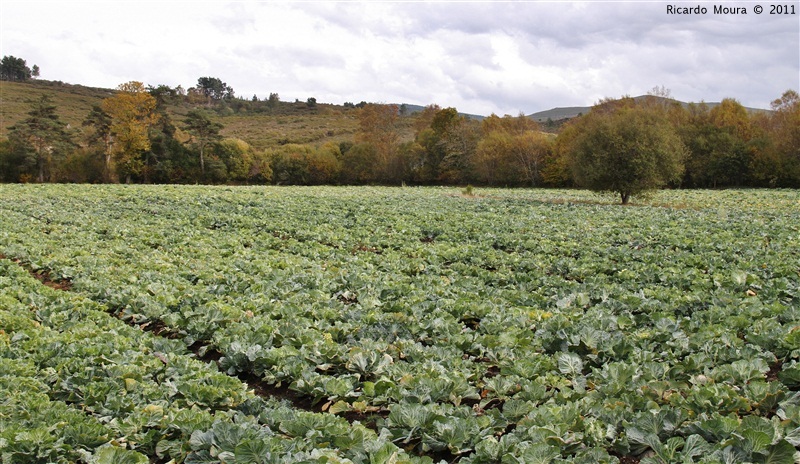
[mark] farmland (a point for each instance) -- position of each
(406, 325)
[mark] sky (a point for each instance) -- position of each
(481, 57)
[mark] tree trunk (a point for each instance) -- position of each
(202, 163)
(40, 163)
(107, 173)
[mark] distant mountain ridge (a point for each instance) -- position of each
(560, 113)
(411, 109)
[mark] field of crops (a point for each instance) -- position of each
(207, 324)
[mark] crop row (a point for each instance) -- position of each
(498, 329)
(79, 385)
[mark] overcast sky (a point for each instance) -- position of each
(479, 57)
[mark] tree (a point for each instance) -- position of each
(378, 127)
(133, 112)
(203, 132)
(164, 94)
(100, 138)
(436, 129)
(514, 148)
(213, 89)
(718, 142)
(491, 161)
(273, 100)
(41, 138)
(626, 149)
(15, 69)
(556, 171)
(785, 131)
(358, 164)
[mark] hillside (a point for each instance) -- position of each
(73, 101)
(257, 123)
(557, 114)
(253, 122)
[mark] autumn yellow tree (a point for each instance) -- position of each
(786, 135)
(378, 128)
(512, 151)
(132, 111)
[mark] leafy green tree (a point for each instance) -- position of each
(626, 149)
(358, 164)
(213, 89)
(304, 164)
(203, 132)
(11, 161)
(437, 133)
(164, 94)
(167, 160)
(15, 69)
(42, 139)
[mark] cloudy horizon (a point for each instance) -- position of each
(479, 57)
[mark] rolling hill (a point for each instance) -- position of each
(254, 122)
(557, 114)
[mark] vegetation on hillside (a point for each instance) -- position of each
(147, 134)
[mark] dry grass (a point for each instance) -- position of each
(73, 102)
(260, 127)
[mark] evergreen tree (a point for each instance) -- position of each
(41, 139)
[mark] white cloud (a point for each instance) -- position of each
(481, 57)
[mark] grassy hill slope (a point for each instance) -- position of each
(73, 102)
(557, 114)
(253, 122)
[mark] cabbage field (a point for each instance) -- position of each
(205, 324)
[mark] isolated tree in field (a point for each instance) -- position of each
(203, 131)
(626, 149)
(41, 139)
(133, 112)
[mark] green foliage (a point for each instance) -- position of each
(15, 69)
(522, 326)
(626, 149)
(304, 165)
(203, 132)
(41, 140)
(727, 145)
(213, 88)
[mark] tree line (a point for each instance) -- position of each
(623, 145)
(16, 69)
